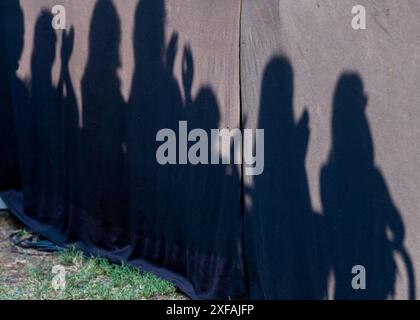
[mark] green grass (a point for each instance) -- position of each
(87, 278)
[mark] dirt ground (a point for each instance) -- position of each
(27, 274)
(15, 261)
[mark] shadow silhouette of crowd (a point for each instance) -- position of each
(89, 174)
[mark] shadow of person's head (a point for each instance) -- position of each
(277, 96)
(149, 36)
(44, 51)
(12, 31)
(352, 140)
(105, 36)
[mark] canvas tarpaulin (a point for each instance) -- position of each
(80, 110)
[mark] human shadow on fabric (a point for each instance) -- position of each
(184, 216)
(365, 227)
(39, 125)
(155, 103)
(13, 92)
(72, 161)
(284, 238)
(104, 147)
(43, 126)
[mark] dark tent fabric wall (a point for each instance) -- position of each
(80, 109)
(88, 167)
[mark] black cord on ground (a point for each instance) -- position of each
(33, 242)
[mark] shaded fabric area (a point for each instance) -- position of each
(95, 182)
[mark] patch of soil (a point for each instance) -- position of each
(15, 261)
